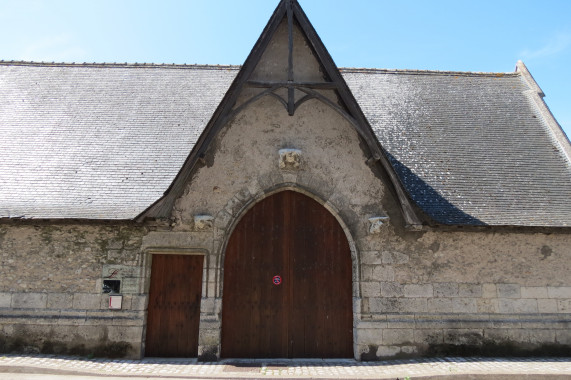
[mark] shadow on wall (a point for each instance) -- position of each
(429, 200)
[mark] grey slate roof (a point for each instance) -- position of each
(106, 141)
(470, 149)
(98, 142)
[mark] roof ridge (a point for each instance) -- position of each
(116, 65)
(236, 67)
(425, 72)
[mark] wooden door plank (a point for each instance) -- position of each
(310, 313)
(174, 306)
(153, 314)
(322, 291)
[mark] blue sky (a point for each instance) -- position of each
(429, 35)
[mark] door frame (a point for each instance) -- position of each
(355, 283)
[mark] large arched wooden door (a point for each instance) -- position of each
(291, 238)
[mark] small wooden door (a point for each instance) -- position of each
(307, 314)
(174, 306)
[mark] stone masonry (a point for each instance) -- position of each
(51, 298)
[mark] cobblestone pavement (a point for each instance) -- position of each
(530, 368)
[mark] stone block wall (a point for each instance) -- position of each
(448, 295)
(51, 298)
(441, 318)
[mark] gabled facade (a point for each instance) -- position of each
(284, 208)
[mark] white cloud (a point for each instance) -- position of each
(58, 48)
(556, 45)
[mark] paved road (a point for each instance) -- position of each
(45, 367)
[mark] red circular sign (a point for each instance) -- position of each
(277, 280)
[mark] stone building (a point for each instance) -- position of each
(283, 208)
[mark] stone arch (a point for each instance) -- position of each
(252, 201)
(327, 205)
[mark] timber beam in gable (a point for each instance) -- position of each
(334, 83)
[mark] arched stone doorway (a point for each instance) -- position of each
(287, 283)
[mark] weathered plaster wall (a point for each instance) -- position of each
(51, 298)
(273, 64)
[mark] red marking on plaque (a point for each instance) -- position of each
(277, 280)
(113, 273)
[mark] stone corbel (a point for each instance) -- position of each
(203, 223)
(376, 223)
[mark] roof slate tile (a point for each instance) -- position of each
(105, 141)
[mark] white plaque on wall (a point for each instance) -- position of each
(115, 302)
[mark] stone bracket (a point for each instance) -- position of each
(375, 224)
(203, 222)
